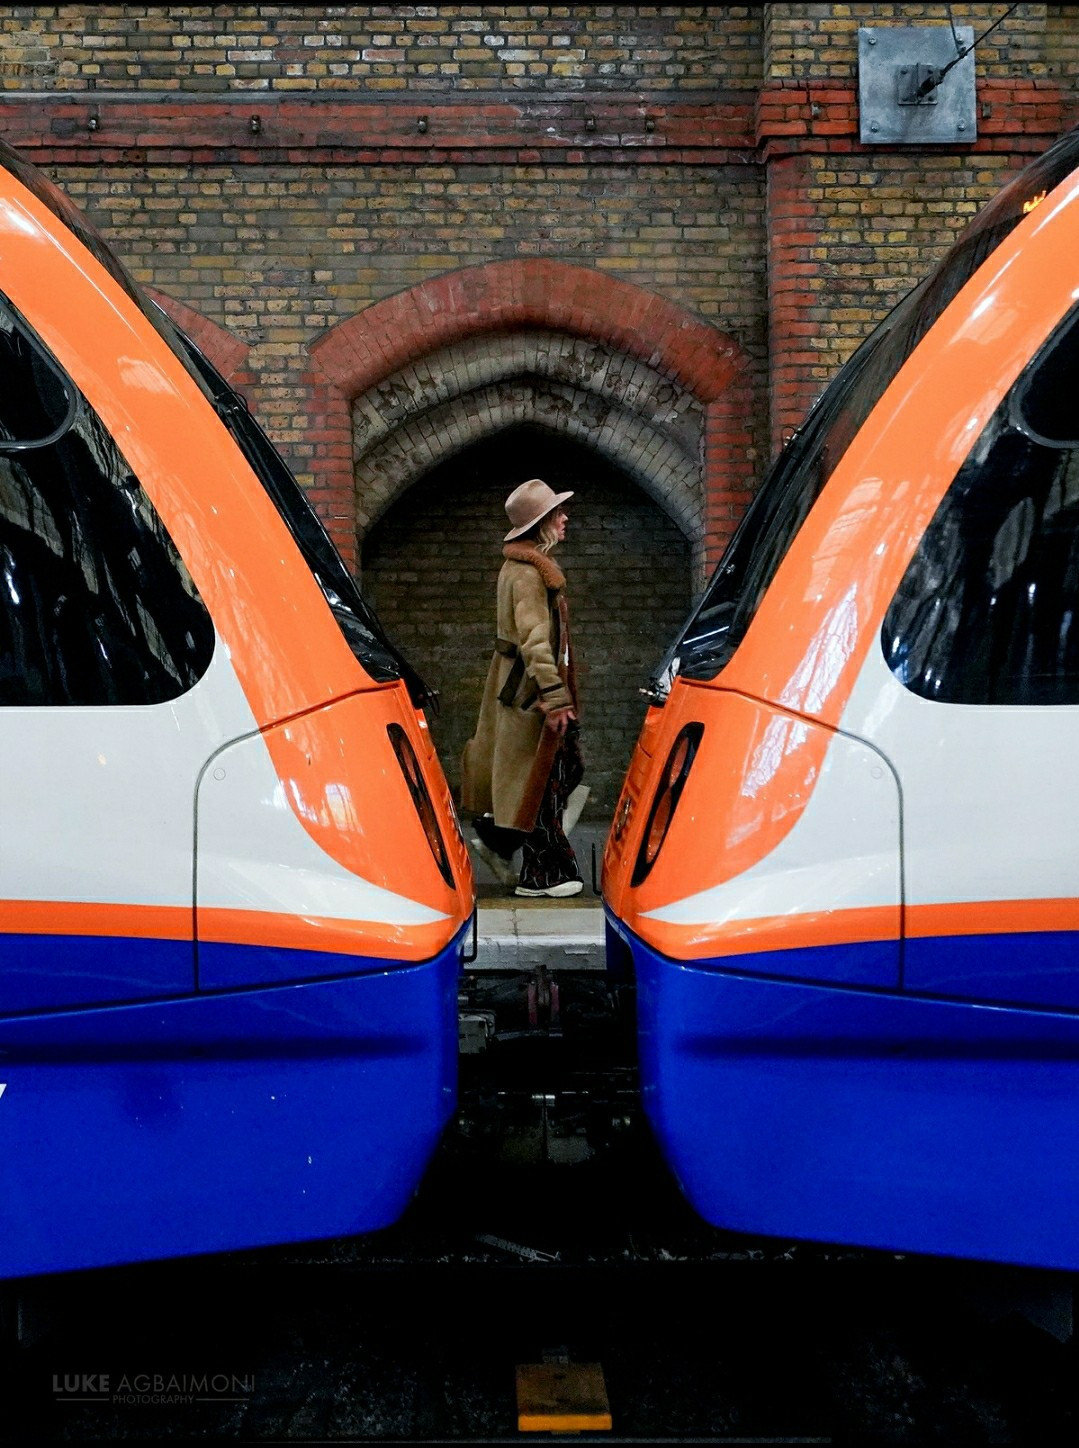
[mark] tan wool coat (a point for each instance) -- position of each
(507, 762)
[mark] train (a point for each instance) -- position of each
(843, 867)
(234, 894)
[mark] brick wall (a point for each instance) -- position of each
(381, 48)
(850, 235)
(850, 227)
(1061, 42)
(576, 388)
(277, 254)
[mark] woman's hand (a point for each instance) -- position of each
(559, 719)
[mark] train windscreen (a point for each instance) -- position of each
(719, 621)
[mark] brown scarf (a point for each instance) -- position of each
(546, 567)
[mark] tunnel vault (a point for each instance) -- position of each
(577, 388)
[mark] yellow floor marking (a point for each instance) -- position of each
(562, 1398)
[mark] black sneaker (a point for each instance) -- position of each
(495, 847)
(561, 891)
(497, 838)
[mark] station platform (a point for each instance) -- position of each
(520, 934)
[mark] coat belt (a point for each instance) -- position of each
(509, 689)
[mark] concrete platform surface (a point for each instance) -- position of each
(516, 933)
(561, 938)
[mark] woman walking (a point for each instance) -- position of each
(524, 759)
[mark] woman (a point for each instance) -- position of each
(524, 760)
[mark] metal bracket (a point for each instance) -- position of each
(916, 85)
(903, 97)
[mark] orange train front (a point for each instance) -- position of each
(846, 856)
(233, 892)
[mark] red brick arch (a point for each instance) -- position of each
(364, 349)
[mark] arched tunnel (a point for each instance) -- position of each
(430, 563)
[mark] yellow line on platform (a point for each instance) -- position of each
(562, 1398)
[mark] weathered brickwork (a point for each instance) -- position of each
(571, 386)
(650, 232)
(379, 48)
(694, 235)
(811, 42)
(1062, 42)
(851, 228)
(850, 236)
(278, 255)
(589, 309)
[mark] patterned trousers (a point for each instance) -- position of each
(548, 855)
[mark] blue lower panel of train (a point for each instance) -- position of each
(862, 1117)
(223, 1121)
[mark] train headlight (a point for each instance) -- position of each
(410, 768)
(672, 783)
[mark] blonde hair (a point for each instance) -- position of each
(547, 534)
(542, 535)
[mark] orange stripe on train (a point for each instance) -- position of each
(771, 932)
(269, 929)
(77, 917)
(992, 917)
(863, 925)
(375, 938)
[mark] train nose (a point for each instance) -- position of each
(316, 858)
(756, 839)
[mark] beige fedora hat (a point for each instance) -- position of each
(527, 504)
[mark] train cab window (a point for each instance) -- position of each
(1043, 401)
(988, 611)
(96, 605)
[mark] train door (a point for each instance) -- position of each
(982, 639)
(102, 636)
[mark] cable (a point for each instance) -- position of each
(930, 84)
(955, 36)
